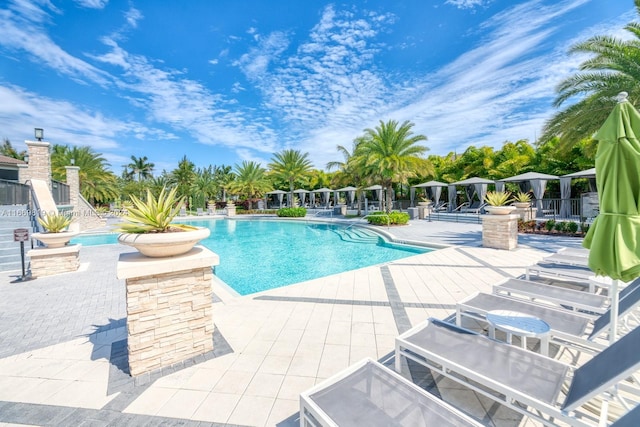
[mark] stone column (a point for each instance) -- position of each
(231, 208)
(23, 173)
(39, 161)
(169, 308)
(500, 231)
(73, 181)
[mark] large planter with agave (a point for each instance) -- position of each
(150, 231)
(56, 234)
(497, 203)
(500, 210)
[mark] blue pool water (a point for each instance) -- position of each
(259, 255)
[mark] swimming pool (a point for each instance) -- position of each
(256, 255)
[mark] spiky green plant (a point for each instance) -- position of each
(522, 197)
(498, 198)
(56, 223)
(154, 215)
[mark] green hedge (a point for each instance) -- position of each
(394, 218)
(292, 212)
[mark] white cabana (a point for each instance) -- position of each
(350, 191)
(302, 193)
(326, 193)
(378, 190)
(538, 183)
(435, 185)
(472, 186)
(565, 189)
(280, 195)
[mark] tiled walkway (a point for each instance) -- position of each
(61, 337)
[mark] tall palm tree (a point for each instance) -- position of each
(251, 181)
(140, 167)
(351, 171)
(204, 186)
(291, 166)
(97, 183)
(183, 177)
(223, 177)
(613, 68)
(392, 154)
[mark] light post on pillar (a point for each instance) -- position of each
(39, 133)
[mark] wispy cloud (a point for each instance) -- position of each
(467, 4)
(22, 29)
(92, 4)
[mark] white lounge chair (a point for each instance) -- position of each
(580, 274)
(368, 394)
(525, 381)
(567, 327)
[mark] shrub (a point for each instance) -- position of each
(381, 218)
(56, 223)
(292, 212)
(550, 225)
(560, 227)
(572, 227)
(584, 227)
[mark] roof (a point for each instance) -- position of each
(589, 173)
(474, 180)
(6, 160)
(529, 176)
(431, 184)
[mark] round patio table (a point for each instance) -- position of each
(521, 324)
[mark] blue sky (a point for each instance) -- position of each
(231, 80)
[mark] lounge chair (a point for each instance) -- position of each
(557, 295)
(567, 327)
(524, 381)
(578, 273)
(199, 211)
(440, 207)
(475, 208)
(368, 394)
(568, 259)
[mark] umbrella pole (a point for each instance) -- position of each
(613, 333)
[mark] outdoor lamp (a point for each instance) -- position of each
(39, 132)
(73, 162)
(26, 158)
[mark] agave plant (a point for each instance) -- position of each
(56, 223)
(154, 215)
(522, 197)
(498, 198)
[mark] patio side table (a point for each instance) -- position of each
(521, 324)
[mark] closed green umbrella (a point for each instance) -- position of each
(614, 237)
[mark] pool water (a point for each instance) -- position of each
(259, 255)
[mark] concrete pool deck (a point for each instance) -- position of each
(63, 338)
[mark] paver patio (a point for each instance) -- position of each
(62, 337)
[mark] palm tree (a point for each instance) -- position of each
(251, 181)
(291, 166)
(613, 68)
(204, 186)
(352, 170)
(392, 154)
(140, 167)
(97, 183)
(183, 177)
(8, 150)
(223, 177)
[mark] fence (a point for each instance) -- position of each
(60, 193)
(13, 193)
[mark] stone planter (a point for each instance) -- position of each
(425, 203)
(156, 245)
(55, 240)
(500, 210)
(522, 205)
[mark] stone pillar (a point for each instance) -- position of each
(39, 161)
(500, 231)
(169, 308)
(23, 173)
(73, 181)
(526, 214)
(231, 208)
(46, 261)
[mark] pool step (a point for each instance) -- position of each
(357, 235)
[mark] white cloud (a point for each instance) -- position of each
(213, 61)
(92, 4)
(467, 4)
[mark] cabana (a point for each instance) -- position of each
(472, 186)
(301, 195)
(350, 191)
(280, 195)
(436, 192)
(378, 190)
(565, 189)
(537, 182)
(326, 193)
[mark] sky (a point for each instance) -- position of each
(225, 81)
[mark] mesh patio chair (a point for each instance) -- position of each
(368, 394)
(524, 381)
